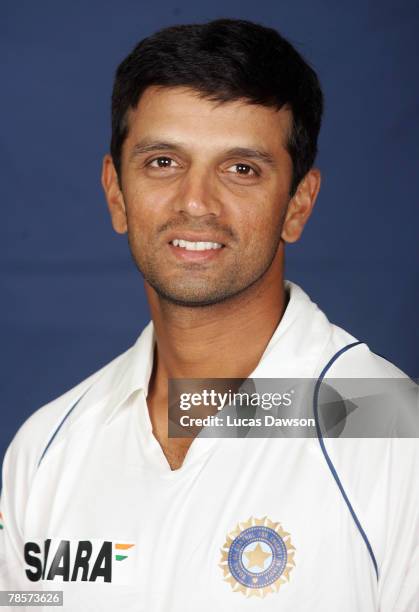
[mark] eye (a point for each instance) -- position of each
(244, 170)
(162, 162)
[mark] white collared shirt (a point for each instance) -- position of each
(90, 505)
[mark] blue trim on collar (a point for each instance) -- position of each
(60, 425)
(327, 457)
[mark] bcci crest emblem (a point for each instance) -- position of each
(257, 557)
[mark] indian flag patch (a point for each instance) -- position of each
(1, 521)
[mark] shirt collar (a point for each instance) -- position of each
(299, 340)
(132, 372)
(292, 352)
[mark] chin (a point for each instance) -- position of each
(189, 298)
(192, 301)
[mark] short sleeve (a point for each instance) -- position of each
(11, 541)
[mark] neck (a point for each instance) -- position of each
(224, 340)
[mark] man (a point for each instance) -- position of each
(214, 132)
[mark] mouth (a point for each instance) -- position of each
(195, 250)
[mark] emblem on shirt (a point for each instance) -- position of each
(257, 557)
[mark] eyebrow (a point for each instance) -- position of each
(146, 146)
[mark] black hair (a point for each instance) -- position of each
(224, 60)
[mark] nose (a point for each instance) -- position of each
(197, 194)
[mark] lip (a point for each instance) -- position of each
(196, 256)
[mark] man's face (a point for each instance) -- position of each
(204, 191)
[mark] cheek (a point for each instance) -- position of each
(141, 198)
(263, 220)
(145, 208)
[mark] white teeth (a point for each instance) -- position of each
(196, 246)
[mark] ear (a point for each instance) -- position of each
(301, 206)
(114, 196)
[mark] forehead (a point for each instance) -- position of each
(179, 113)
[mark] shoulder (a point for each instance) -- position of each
(28, 444)
(347, 356)
(327, 348)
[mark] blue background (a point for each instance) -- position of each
(71, 297)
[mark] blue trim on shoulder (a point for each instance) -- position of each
(326, 455)
(60, 425)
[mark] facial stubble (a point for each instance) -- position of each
(204, 290)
